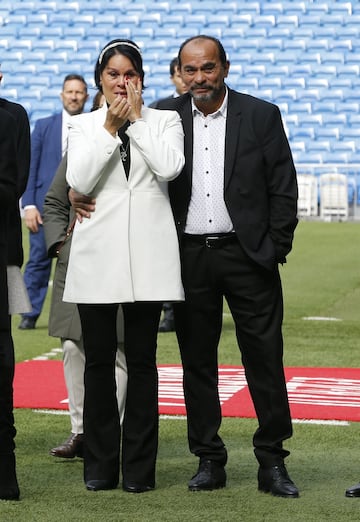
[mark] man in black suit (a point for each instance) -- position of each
(9, 489)
(235, 205)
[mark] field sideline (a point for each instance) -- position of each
(321, 279)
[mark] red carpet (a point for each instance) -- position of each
(314, 393)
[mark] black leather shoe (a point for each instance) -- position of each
(71, 448)
(97, 485)
(353, 491)
(210, 475)
(167, 325)
(276, 481)
(133, 487)
(27, 323)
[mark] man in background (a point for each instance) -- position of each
(167, 323)
(48, 145)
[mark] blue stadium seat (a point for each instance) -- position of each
(195, 20)
(44, 45)
(281, 71)
(323, 106)
(255, 71)
(317, 44)
(248, 84)
(158, 7)
(317, 83)
(271, 83)
(303, 133)
(307, 94)
(310, 120)
(289, 21)
(106, 21)
(23, 7)
(150, 19)
(318, 146)
(332, 120)
(297, 44)
(300, 107)
(10, 94)
(317, 8)
(331, 133)
(284, 95)
(344, 8)
(348, 71)
(242, 20)
(348, 107)
(294, 7)
(68, 7)
(272, 8)
(66, 45)
(181, 8)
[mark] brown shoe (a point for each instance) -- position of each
(72, 447)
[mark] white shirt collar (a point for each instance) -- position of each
(221, 110)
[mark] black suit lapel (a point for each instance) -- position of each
(232, 134)
(187, 120)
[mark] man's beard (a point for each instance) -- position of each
(212, 94)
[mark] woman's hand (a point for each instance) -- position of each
(135, 99)
(117, 114)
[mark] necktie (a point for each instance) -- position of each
(125, 148)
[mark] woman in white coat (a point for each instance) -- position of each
(123, 155)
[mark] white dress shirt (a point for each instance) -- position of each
(207, 212)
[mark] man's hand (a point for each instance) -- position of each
(83, 205)
(33, 219)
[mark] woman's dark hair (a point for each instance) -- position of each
(119, 46)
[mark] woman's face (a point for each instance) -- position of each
(116, 73)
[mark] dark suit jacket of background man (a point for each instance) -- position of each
(46, 155)
(263, 211)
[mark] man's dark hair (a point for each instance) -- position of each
(219, 45)
(75, 77)
(173, 64)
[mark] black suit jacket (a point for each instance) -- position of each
(260, 187)
(8, 170)
(22, 155)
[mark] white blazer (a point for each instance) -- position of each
(128, 250)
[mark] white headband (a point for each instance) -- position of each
(115, 44)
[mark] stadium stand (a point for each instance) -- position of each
(302, 55)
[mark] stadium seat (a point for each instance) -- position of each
(308, 195)
(333, 196)
(25, 8)
(300, 107)
(318, 145)
(182, 8)
(272, 8)
(294, 7)
(249, 7)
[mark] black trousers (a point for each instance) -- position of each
(101, 415)
(254, 296)
(7, 365)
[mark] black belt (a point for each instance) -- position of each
(212, 240)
